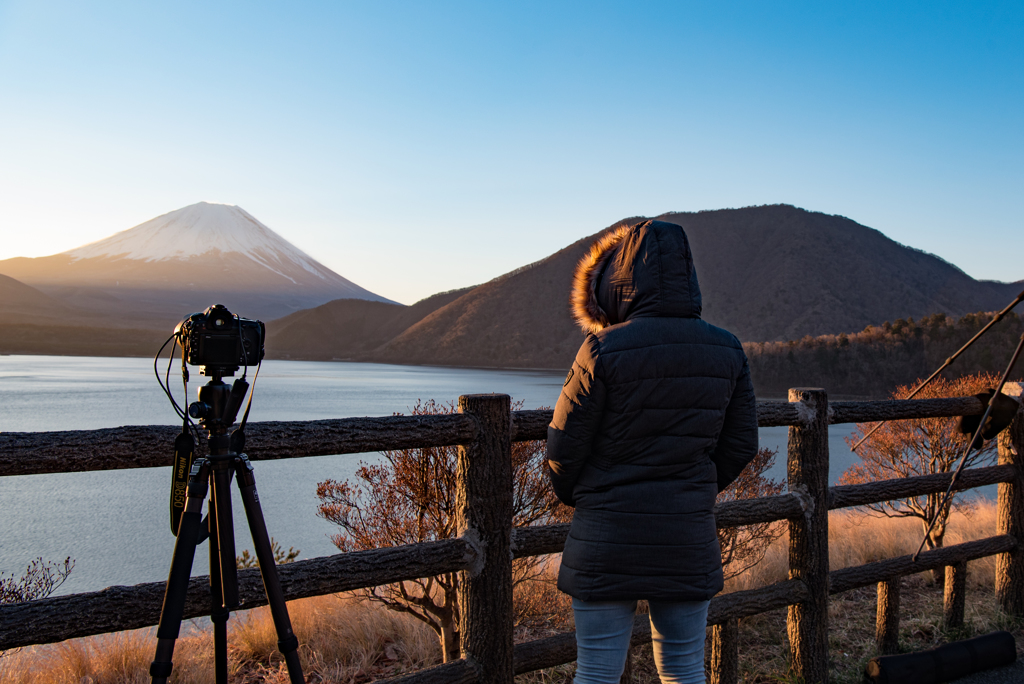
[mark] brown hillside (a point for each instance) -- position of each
(346, 328)
(519, 320)
(780, 273)
(18, 300)
(767, 273)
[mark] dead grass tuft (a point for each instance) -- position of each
(121, 658)
(342, 639)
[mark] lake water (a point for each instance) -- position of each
(115, 523)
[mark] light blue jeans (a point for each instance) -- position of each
(603, 629)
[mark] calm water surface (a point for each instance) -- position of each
(115, 523)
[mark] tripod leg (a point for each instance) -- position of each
(181, 568)
(287, 643)
(225, 534)
(218, 611)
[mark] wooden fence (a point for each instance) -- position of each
(485, 429)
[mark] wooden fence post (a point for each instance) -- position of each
(955, 596)
(1010, 520)
(484, 518)
(887, 616)
(725, 652)
(807, 622)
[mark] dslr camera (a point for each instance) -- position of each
(221, 341)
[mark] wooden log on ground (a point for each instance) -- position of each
(456, 672)
(807, 623)
(846, 496)
(900, 409)
(119, 608)
(878, 571)
(887, 617)
(483, 510)
(150, 446)
(725, 652)
(1010, 514)
(954, 597)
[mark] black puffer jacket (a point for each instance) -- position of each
(656, 416)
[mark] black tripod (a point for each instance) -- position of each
(216, 410)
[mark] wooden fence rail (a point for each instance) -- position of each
(484, 430)
(145, 446)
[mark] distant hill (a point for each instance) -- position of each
(346, 328)
(184, 261)
(18, 300)
(779, 273)
(766, 273)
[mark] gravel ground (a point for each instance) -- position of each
(1014, 674)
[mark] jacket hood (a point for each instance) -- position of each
(640, 271)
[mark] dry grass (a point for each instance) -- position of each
(856, 538)
(121, 658)
(342, 640)
(347, 641)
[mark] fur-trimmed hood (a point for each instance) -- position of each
(644, 270)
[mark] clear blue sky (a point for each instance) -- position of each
(418, 147)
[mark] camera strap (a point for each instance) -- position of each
(184, 451)
(238, 435)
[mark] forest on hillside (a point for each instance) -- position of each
(874, 361)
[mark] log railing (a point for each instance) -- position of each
(484, 430)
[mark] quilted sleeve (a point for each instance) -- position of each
(737, 443)
(576, 422)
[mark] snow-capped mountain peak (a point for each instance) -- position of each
(199, 252)
(192, 231)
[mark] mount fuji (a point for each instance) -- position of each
(184, 261)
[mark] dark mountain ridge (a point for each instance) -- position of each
(767, 273)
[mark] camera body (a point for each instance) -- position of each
(220, 341)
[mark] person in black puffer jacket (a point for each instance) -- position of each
(656, 416)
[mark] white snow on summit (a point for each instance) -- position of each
(198, 229)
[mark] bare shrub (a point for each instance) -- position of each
(909, 448)
(249, 560)
(744, 547)
(410, 498)
(41, 579)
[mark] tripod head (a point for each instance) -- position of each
(218, 404)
